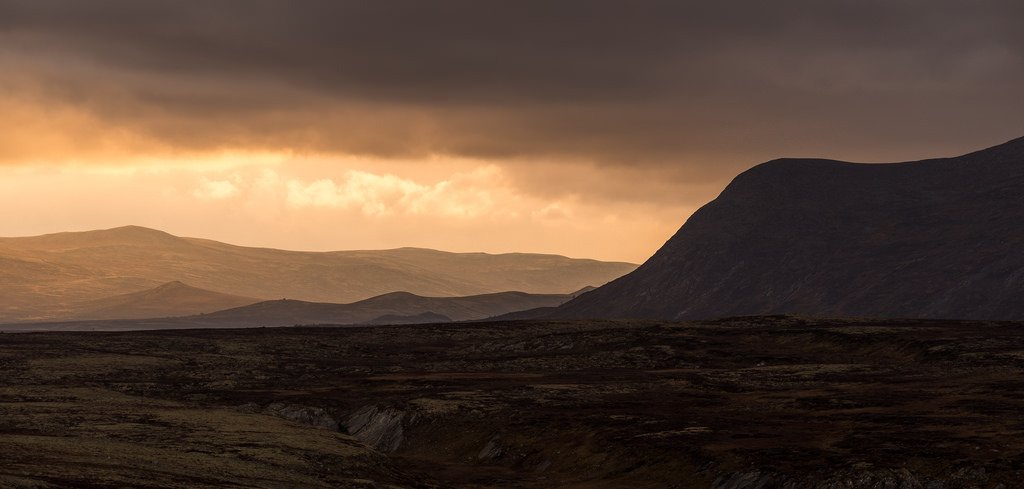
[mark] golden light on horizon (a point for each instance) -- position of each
(65, 167)
(322, 202)
(274, 128)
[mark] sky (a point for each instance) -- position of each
(584, 128)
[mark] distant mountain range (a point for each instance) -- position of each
(393, 308)
(937, 238)
(89, 274)
(940, 238)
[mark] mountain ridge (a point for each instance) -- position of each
(934, 238)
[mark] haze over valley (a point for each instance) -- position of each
(90, 275)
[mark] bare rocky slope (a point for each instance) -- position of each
(53, 277)
(938, 238)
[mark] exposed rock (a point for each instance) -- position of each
(492, 450)
(379, 428)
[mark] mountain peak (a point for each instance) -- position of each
(74, 240)
(136, 231)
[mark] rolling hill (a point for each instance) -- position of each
(938, 238)
(56, 276)
(399, 307)
(170, 299)
(392, 308)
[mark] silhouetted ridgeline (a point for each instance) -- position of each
(940, 238)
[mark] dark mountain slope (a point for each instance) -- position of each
(939, 238)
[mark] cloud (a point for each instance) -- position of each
(642, 101)
(473, 209)
(215, 189)
(463, 195)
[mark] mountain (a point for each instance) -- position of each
(55, 276)
(392, 308)
(938, 238)
(170, 299)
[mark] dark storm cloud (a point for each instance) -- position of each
(687, 91)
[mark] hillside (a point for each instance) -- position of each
(393, 308)
(400, 307)
(929, 239)
(170, 299)
(53, 277)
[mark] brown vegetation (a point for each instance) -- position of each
(724, 404)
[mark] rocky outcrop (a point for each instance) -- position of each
(492, 450)
(380, 428)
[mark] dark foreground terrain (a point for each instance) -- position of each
(763, 403)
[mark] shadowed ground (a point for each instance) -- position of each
(741, 403)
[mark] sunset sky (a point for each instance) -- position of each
(583, 128)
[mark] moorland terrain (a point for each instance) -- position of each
(759, 402)
(568, 395)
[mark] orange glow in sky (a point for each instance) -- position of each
(467, 126)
